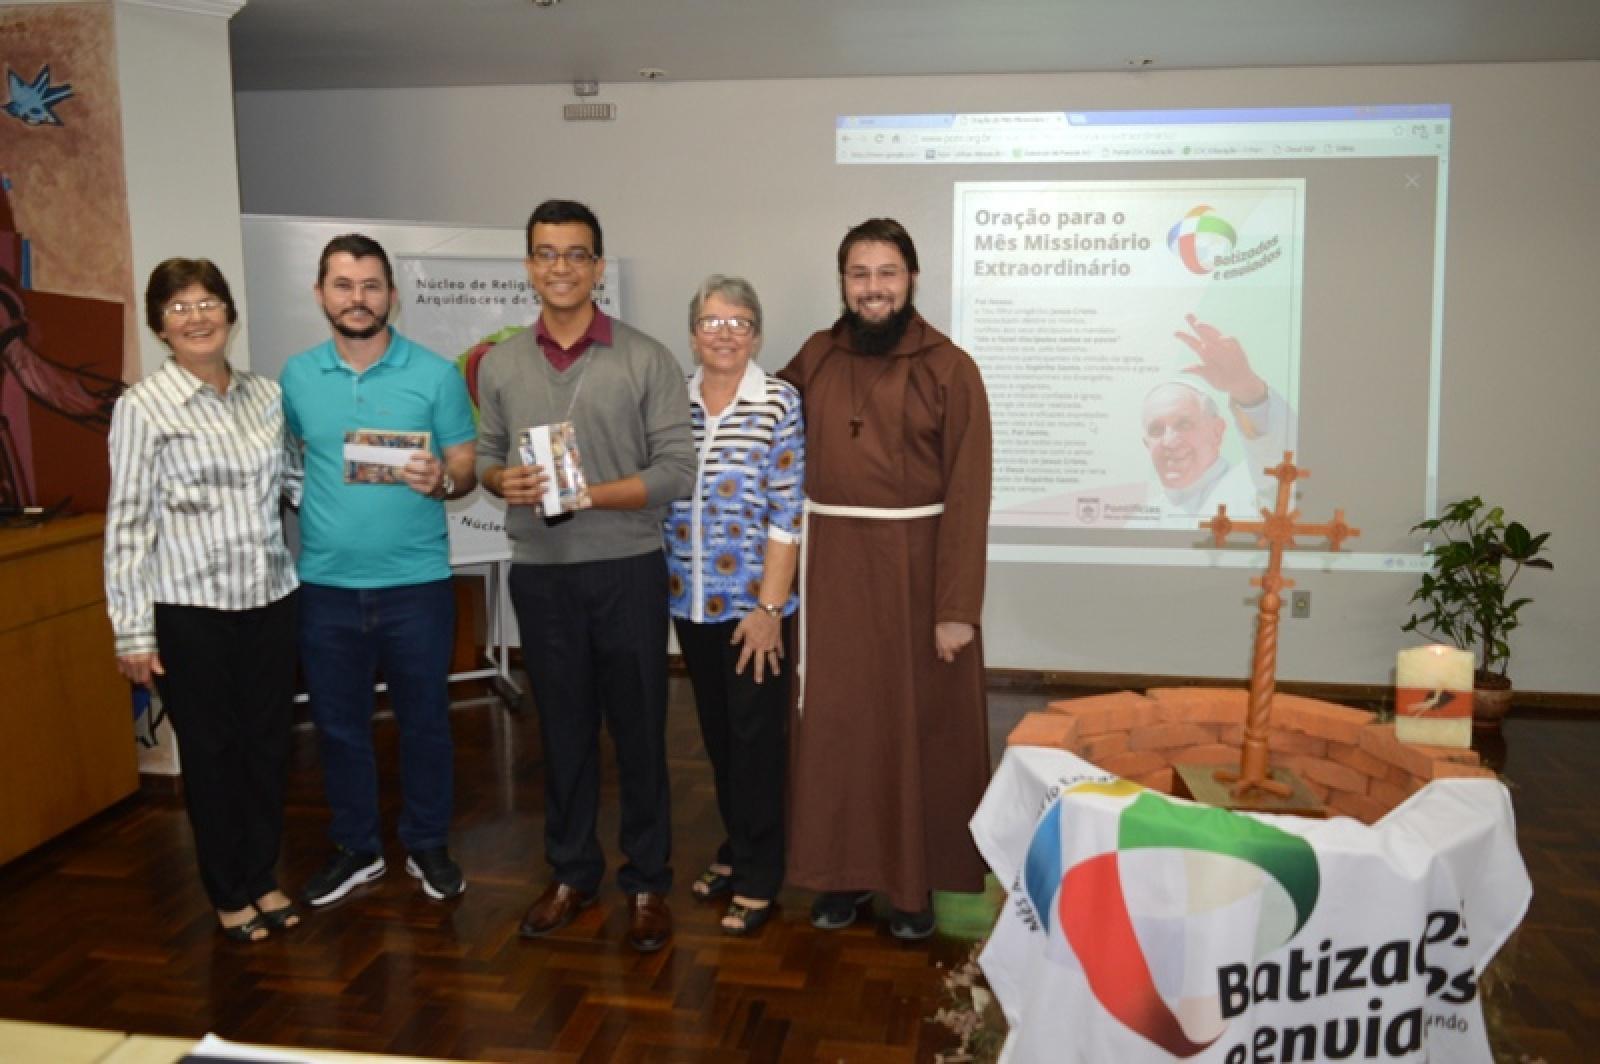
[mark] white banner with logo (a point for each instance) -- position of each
(1139, 928)
(459, 308)
(1113, 322)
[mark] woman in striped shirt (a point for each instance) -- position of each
(731, 555)
(200, 585)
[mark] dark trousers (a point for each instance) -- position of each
(745, 728)
(594, 640)
(229, 691)
(346, 635)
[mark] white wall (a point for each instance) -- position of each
(738, 177)
(176, 82)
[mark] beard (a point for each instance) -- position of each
(878, 338)
(365, 332)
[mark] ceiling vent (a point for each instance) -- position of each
(589, 112)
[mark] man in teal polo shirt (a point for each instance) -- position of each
(375, 566)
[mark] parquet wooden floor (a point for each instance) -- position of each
(107, 927)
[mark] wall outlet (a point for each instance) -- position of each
(1299, 604)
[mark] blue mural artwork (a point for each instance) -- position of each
(34, 102)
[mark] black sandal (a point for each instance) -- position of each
(748, 918)
(712, 884)
(281, 919)
(246, 932)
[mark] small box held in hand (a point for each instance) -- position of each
(554, 448)
(376, 456)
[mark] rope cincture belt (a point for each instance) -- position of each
(828, 509)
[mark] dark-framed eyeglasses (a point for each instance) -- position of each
(577, 258)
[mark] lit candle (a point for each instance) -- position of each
(1433, 696)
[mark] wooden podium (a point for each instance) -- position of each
(66, 722)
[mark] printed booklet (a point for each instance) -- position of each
(555, 448)
(376, 456)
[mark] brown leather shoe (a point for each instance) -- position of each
(553, 910)
(649, 923)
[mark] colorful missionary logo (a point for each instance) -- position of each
(1243, 881)
(1200, 238)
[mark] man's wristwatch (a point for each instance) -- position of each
(447, 485)
(770, 610)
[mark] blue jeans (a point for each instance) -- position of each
(346, 636)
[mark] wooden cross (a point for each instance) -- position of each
(1276, 530)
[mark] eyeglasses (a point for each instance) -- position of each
(884, 274)
(738, 326)
(345, 287)
(577, 258)
(201, 307)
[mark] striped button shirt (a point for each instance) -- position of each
(749, 489)
(193, 516)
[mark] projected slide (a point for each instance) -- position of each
(1140, 341)
(1162, 302)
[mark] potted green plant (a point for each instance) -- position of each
(1464, 597)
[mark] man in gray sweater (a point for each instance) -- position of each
(590, 586)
